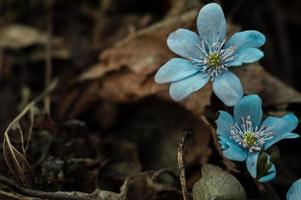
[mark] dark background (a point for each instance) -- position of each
(87, 29)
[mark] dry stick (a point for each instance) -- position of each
(181, 162)
(159, 173)
(229, 164)
(40, 194)
(48, 62)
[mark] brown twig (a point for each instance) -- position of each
(159, 173)
(229, 164)
(181, 162)
(48, 61)
(40, 194)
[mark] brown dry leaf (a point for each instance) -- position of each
(14, 154)
(17, 36)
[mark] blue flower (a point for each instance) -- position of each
(245, 135)
(208, 56)
(294, 193)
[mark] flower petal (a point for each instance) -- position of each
(277, 137)
(185, 43)
(174, 70)
(232, 150)
(294, 193)
(251, 163)
(181, 89)
(249, 105)
(211, 23)
(246, 39)
(281, 128)
(246, 56)
(224, 122)
(227, 88)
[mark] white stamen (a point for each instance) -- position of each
(216, 54)
(251, 138)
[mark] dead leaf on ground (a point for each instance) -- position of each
(17, 36)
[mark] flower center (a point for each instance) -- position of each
(214, 58)
(250, 137)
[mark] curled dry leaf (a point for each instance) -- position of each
(14, 154)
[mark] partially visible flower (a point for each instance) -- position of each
(294, 193)
(244, 136)
(208, 56)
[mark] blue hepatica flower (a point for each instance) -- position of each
(208, 56)
(245, 135)
(294, 193)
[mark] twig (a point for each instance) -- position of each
(31, 123)
(48, 57)
(181, 162)
(159, 173)
(40, 194)
(229, 164)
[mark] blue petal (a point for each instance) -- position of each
(227, 88)
(246, 39)
(224, 122)
(232, 150)
(294, 193)
(246, 44)
(184, 43)
(249, 106)
(174, 70)
(251, 163)
(281, 128)
(181, 89)
(211, 23)
(246, 56)
(277, 137)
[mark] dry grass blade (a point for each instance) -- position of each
(14, 154)
(13, 143)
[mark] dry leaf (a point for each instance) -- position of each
(17, 36)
